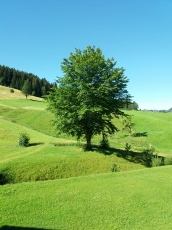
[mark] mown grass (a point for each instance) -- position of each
(24, 103)
(87, 195)
(156, 128)
(39, 120)
(131, 200)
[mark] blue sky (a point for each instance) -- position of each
(35, 36)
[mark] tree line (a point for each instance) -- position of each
(131, 106)
(13, 78)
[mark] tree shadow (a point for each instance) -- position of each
(36, 143)
(5, 227)
(35, 100)
(143, 134)
(143, 158)
(109, 151)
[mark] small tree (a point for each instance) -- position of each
(24, 139)
(128, 124)
(90, 94)
(104, 144)
(27, 89)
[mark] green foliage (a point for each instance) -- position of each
(90, 94)
(104, 144)
(132, 106)
(14, 78)
(11, 90)
(150, 150)
(27, 89)
(115, 168)
(24, 139)
(168, 160)
(156, 161)
(127, 147)
(128, 124)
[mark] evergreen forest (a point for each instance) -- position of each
(13, 78)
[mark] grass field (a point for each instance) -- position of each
(55, 184)
(131, 200)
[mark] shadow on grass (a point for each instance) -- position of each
(143, 134)
(35, 100)
(5, 227)
(143, 158)
(21, 228)
(36, 143)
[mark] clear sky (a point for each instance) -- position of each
(35, 36)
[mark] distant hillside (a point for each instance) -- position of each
(5, 93)
(13, 78)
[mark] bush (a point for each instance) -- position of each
(168, 160)
(104, 144)
(115, 168)
(24, 139)
(150, 151)
(127, 147)
(156, 161)
(11, 90)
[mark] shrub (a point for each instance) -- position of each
(104, 144)
(150, 150)
(156, 161)
(115, 168)
(5, 177)
(168, 160)
(11, 90)
(24, 139)
(127, 147)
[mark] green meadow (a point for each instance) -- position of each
(54, 184)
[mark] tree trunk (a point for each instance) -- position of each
(88, 139)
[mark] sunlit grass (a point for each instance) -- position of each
(5, 93)
(43, 160)
(132, 200)
(88, 193)
(23, 103)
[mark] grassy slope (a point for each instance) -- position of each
(32, 114)
(157, 126)
(6, 94)
(42, 160)
(139, 199)
(156, 131)
(132, 200)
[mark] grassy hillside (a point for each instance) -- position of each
(5, 93)
(48, 158)
(132, 200)
(89, 193)
(43, 160)
(151, 129)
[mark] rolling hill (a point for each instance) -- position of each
(54, 184)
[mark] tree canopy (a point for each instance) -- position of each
(91, 92)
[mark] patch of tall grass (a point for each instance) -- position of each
(48, 162)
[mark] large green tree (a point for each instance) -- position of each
(91, 92)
